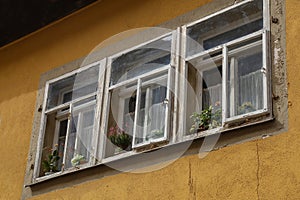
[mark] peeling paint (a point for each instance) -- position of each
(228, 172)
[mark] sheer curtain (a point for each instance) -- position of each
(212, 95)
(251, 89)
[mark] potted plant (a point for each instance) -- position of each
(77, 160)
(216, 115)
(207, 119)
(246, 107)
(120, 138)
(50, 164)
(201, 121)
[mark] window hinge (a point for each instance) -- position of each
(40, 108)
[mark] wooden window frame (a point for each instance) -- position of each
(67, 115)
(167, 68)
(177, 74)
(264, 34)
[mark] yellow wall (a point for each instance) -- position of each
(268, 169)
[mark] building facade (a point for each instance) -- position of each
(65, 87)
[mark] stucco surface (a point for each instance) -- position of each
(262, 169)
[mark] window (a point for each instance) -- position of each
(228, 52)
(69, 120)
(135, 100)
(139, 94)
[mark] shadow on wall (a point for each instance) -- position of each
(23, 62)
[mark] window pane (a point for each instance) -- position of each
(85, 135)
(80, 136)
(71, 142)
(150, 123)
(204, 93)
(121, 120)
(63, 125)
(212, 87)
(225, 27)
(141, 60)
(152, 112)
(245, 80)
(54, 140)
(73, 87)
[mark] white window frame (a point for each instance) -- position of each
(169, 68)
(264, 33)
(176, 72)
(66, 115)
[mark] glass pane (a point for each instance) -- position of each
(84, 140)
(63, 125)
(157, 113)
(152, 112)
(54, 143)
(71, 142)
(205, 81)
(73, 87)
(141, 60)
(121, 120)
(80, 137)
(245, 80)
(225, 27)
(212, 87)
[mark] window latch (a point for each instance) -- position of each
(263, 70)
(166, 101)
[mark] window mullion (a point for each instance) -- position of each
(199, 91)
(167, 103)
(106, 99)
(67, 137)
(233, 84)
(146, 114)
(224, 83)
(137, 108)
(182, 94)
(132, 80)
(65, 105)
(266, 14)
(230, 43)
(177, 56)
(78, 132)
(98, 110)
(265, 71)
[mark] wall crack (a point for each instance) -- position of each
(191, 184)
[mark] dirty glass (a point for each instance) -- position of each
(139, 61)
(227, 26)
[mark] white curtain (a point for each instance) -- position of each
(251, 89)
(212, 95)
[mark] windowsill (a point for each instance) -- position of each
(60, 173)
(130, 154)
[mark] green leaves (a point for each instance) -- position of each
(50, 165)
(122, 140)
(206, 119)
(118, 137)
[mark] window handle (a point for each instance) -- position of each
(263, 70)
(166, 101)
